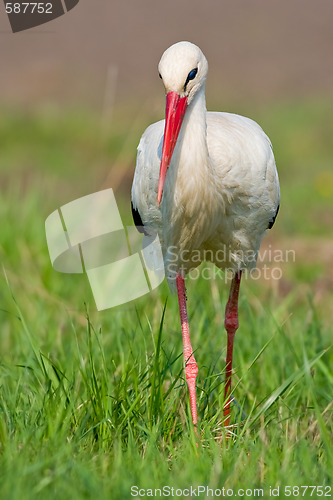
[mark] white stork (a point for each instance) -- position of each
(207, 183)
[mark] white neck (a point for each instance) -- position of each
(193, 133)
(190, 169)
(189, 190)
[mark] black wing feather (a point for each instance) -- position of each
(271, 222)
(137, 220)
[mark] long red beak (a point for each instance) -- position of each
(174, 114)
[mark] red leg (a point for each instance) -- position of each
(231, 325)
(191, 367)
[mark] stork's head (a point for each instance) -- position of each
(183, 69)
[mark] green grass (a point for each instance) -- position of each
(92, 403)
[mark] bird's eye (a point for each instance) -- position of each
(190, 76)
(160, 76)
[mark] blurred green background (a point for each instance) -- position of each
(75, 96)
